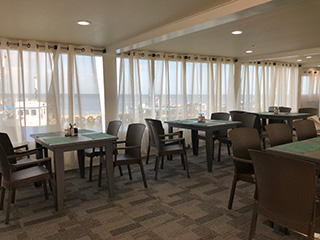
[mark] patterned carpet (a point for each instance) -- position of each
(173, 207)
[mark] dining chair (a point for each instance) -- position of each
(14, 176)
(176, 146)
(281, 196)
(16, 153)
(152, 142)
(305, 129)
(113, 129)
(222, 133)
(242, 140)
(247, 120)
(132, 151)
(233, 112)
(279, 133)
(313, 111)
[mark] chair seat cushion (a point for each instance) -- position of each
(29, 173)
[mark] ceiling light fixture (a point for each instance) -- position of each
(237, 32)
(309, 57)
(249, 51)
(83, 23)
(299, 60)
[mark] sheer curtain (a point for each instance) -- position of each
(171, 86)
(310, 88)
(265, 84)
(44, 87)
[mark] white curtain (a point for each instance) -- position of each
(170, 86)
(310, 88)
(44, 87)
(265, 84)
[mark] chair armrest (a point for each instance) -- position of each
(127, 147)
(119, 142)
(21, 146)
(33, 162)
(242, 160)
(28, 152)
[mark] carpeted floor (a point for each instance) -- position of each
(173, 207)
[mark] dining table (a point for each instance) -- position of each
(289, 117)
(210, 127)
(306, 150)
(58, 143)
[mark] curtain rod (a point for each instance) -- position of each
(187, 57)
(275, 63)
(55, 47)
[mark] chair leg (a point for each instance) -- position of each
(228, 149)
(156, 167)
(187, 165)
(253, 225)
(120, 170)
(45, 189)
(3, 193)
(148, 154)
(13, 198)
(8, 207)
(90, 169)
(143, 174)
(100, 175)
(183, 162)
(219, 151)
(162, 162)
(233, 189)
(129, 171)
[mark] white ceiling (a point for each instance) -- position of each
(278, 30)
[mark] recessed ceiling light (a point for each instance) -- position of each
(83, 23)
(249, 51)
(237, 32)
(309, 57)
(299, 60)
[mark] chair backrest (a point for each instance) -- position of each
(233, 112)
(305, 129)
(4, 165)
(313, 111)
(113, 127)
(247, 120)
(279, 133)
(151, 137)
(220, 116)
(133, 138)
(6, 143)
(157, 130)
(243, 139)
(281, 196)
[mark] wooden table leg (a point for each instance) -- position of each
(209, 149)
(109, 167)
(195, 142)
(59, 177)
(81, 157)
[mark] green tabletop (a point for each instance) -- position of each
(50, 134)
(85, 131)
(316, 139)
(299, 147)
(58, 140)
(98, 135)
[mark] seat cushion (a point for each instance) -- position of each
(31, 172)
